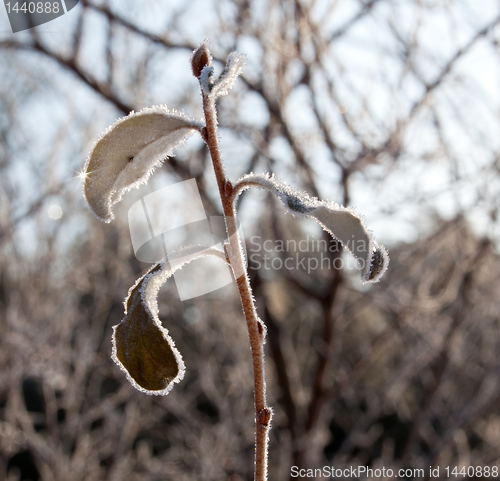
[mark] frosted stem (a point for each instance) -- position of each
(256, 328)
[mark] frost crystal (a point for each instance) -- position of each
(206, 79)
(234, 65)
(142, 347)
(128, 153)
(343, 223)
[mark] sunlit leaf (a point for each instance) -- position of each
(343, 223)
(142, 347)
(128, 152)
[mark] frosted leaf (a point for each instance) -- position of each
(142, 347)
(128, 152)
(343, 223)
(234, 65)
(378, 265)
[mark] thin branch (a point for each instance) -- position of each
(350, 23)
(150, 36)
(70, 64)
(319, 393)
(275, 343)
(430, 87)
(256, 329)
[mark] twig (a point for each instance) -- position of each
(280, 359)
(70, 64)
(256, 329)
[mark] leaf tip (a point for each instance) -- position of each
(128, 152)
(379, 263)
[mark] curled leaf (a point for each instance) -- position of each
(343, 223)
(128, 152)
(142, 347)
(221, 86)
(234, 65)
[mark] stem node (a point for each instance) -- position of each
(265, 416)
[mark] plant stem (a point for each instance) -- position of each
(256, 329)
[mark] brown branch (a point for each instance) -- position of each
(362, 13)
(256, 329)
(71, 65)
(150, 36)
(320, 391)
(275, 343)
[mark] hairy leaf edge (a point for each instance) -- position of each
(114, 196)
(302, 205)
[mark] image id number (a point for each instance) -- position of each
(33, 7)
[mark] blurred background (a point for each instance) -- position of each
(391, 106)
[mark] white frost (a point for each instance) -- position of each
(129, 151)
(152, 281)
(234, 65)
(343, 223)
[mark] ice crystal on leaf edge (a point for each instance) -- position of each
(129, 151)
(142, 347)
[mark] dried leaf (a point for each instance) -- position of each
(142, 347)
(343, 223)
(128, 153)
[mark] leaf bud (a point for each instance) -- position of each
(201, 58)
